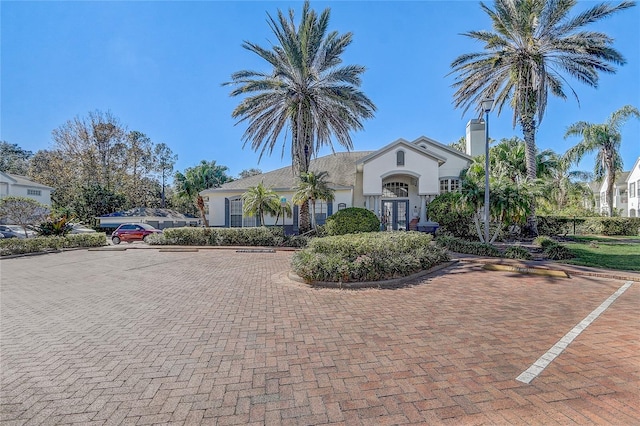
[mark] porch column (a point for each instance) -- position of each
(423, 210)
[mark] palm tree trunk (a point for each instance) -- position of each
(529, 130)
(200, 203)
(611, 180)
(304, 218)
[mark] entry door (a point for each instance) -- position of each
(395, 215)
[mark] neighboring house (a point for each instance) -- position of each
(158, 218)
(633, 190)
(20, 186)
(396, 182)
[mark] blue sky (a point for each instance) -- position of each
(158, 66)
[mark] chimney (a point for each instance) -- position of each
(475, 138)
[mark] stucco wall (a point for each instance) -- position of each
(421, 167)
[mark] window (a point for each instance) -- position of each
(400, 158)
(342, 206)
(235, 212)
(623, 196)
(638, 189)
(34, 192)
(395, 190)
(632, 190)
(449, 185)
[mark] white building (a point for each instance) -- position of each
(396, 182)
(20, 186)
(633, 190)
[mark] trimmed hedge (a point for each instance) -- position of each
(352, 220)
(257, 236)
(611, 226)
(371, 256)
(467, 247)
(9, 246)
(517, 252)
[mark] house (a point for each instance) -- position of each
(620, 195)
(20, 186)
(396, 182)
(158, 218)
(633, 190)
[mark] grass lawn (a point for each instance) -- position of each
(617, 252)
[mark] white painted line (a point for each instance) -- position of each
(532, 372)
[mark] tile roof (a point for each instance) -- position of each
(340, 166)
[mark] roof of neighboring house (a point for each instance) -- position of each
(25, 181)
(636, 164)
(622, 178)
(341, 169)
(149, 212)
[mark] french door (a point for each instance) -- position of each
(395, 215)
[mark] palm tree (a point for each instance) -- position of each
(258, 200)
(312, 187)
(533, 45)
(307, 93)
(605, 139)
(195, 179)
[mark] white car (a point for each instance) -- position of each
(16, 231)
(78, 228)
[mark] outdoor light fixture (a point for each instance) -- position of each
(487, 104)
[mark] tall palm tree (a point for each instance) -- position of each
(535, 43)
(307, 92)
(605, 139)
(313, 187)
(258, 200)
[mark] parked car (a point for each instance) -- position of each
(17, 231)
(131, 232)
(78, 228)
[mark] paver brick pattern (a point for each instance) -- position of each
(219, 337)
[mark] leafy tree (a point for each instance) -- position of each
(249, 172)
(258, 200)
(535, 43)
(308, 91)
(311, 187)
(460, 144)
(96, 200)
(140, 163)
(605, 140)
(14, 159)
(55, 169)
(195, 179)
(23, 211)
(165, 160)
(565, 190)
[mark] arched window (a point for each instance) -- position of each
(400, 158)
(395, 190)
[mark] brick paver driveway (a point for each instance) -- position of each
(219, 337)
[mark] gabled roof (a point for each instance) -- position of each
(442, 146)
(340, 167)
(24, 181)
(635, 165)
(406, 144)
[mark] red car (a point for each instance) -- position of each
(131, 232)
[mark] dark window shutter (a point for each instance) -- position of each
(227, 213)
(329, 209)
(295, 216)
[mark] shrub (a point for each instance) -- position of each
(543, 241)
(370, 256)
(258, 236)
(351, 220)
(55, 226)
(454, 219)
(611, 226)
(10, 246)
(468, 247)
(558, 252)
(555, 225)
(517, 252)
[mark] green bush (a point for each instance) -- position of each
(371, 256)
(611, 226)
(10, 246)
(543, 241)
(517, 252)
(351, 220)
(558, 252)
(447, 210)
(257, 236)
(459, 245)
(60, 226)
(556, 225)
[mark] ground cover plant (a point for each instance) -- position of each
(11, 246)
(371, 256)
